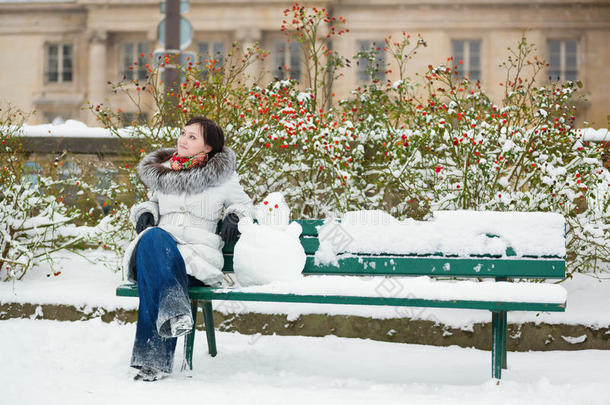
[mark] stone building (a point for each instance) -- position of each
(57, 54)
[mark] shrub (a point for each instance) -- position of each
(35, 220)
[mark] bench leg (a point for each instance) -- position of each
(190, 339)
(504, 337)
(504, 328)
(496, 344)
(209, 326)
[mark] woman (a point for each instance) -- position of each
(177, 245)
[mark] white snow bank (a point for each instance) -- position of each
(459, 233)
(596, 135)
(78, 129)
(46, 362)
(71, 128)
(422, 287)
(83, 282)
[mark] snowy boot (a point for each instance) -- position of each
(180, 325)
(149, 374)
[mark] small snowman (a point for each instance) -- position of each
(270, 250)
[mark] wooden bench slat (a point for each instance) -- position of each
(391, 301)
(309, 226)
(441, 267)
(310, 244)
(367, 265)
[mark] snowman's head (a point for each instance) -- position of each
(273, 210)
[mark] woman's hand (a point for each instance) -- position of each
(228, 228)
(144, 221)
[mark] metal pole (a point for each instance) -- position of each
(172, 47)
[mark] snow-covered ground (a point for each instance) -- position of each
(87, 362)
(85, 283)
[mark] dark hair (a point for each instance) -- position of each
(211, 132)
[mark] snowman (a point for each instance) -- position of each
(270, 250)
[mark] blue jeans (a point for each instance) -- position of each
(163, 289)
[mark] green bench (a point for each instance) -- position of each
(498, 268)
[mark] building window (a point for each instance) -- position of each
(135, 52)
(287, 60)
(377, 66)
(211, 50)
(59, 63)
(467, 57)
(563, 59)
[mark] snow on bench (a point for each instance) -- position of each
(422, 287)
(452, 233)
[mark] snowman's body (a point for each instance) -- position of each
(270, 250)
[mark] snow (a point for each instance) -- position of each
(86, 283)
(88, 362)
(71, 128)
(422, 287)
(273, 210)
(267, 253)
(304, 96)
(597, 135)
(508, 145)
(459, 233)
(574, 339)
(74, 128)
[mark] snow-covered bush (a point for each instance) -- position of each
(460, 150)
(433, 141)
(29, 219)
(35, 220)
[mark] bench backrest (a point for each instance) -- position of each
(434, 264)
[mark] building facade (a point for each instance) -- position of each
(60, 54)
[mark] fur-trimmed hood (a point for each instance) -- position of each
(158, 177)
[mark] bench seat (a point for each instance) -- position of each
(398, 291)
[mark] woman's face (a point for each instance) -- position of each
(190, 142)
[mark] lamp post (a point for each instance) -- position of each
(172, 49)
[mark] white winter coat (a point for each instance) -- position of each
(188, 205)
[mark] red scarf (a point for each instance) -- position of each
(185, 163)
